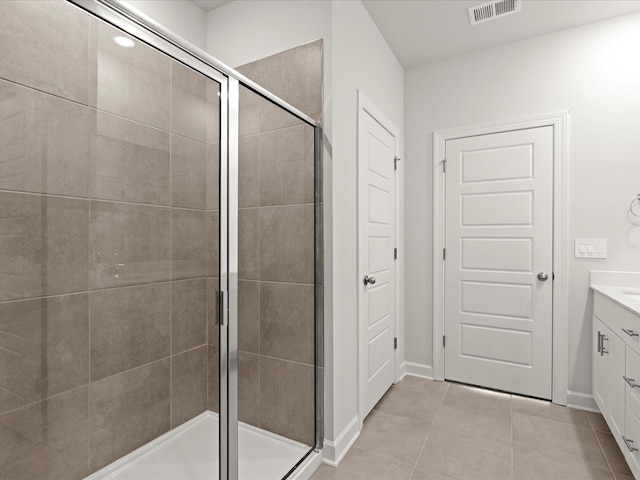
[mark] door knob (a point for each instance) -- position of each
(369, 280)
(543, 277)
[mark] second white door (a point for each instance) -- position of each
(499, 261)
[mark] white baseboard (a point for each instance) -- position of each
(581, 401)
(334, 452)
(416, 369)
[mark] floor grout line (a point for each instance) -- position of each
(604, 454)
(415, 465)
(446, 391)
(424, 444)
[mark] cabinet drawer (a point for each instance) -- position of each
(632, 374)
(632, 440)
(620, 320)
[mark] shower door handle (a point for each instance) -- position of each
(222, 309)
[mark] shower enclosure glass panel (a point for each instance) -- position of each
(109, 174)
(276, 335)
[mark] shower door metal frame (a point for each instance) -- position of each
(137, 24)
(229, 329)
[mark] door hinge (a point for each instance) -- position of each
(444, 165)
(444, 342)
(395, 162)
(444, 253)
(395, 343)
(395, 253)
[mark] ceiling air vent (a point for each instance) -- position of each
(491, 10)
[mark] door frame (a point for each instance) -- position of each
(367, 107)
(560, 308)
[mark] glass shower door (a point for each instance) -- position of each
(110, 141)
(169, 95)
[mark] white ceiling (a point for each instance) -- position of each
(208, 5)
(423, 31)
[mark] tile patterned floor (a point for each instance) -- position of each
(425, 430)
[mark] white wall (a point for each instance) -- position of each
(361, 60)
(182, 17)
(591, 71)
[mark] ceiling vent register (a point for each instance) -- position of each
(492, 10)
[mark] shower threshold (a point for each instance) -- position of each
(190, 452)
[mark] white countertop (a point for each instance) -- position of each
(621, 287)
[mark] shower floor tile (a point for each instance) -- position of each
(191, 453)
(466, 433)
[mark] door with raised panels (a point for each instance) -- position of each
(377, 229)
(498, 261)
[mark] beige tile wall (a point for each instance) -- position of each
(108, 242)
(276, 245)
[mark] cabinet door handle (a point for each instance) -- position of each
(599, 342)
(632, 383)
(631, 333)
(602, 350)
(628, 442)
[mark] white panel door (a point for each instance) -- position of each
(377, 231)
(499, 237)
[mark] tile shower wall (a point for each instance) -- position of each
(108, 217)
(276, 245)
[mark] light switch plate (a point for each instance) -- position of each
(591, 248)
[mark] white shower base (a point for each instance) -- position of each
(190, 452)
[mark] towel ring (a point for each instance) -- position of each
(634, 206)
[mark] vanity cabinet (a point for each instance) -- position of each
(616, 374)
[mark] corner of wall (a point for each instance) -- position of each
(334, 451)
(582, 401)
(416, 370)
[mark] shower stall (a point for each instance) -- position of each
(160, 257)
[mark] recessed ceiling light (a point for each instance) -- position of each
(124, 42)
